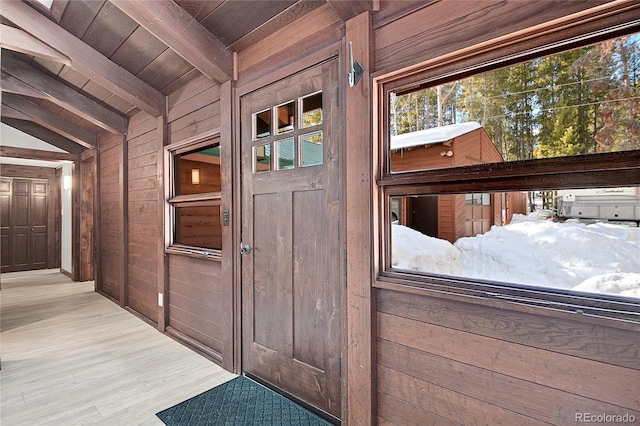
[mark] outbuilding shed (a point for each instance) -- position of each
(449, 216)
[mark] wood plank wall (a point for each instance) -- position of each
(142, 216)
(197, 309)
(407, 37)
(444, 359)
(467, 363)
(87, 194)
(110, 224)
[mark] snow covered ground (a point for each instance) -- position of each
(532, 250)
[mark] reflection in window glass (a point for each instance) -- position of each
(262, 158)
(198, 171)
(583, 240)
(285, 114)
(198, 226)
(478, 199)
(286, 150)
(583, 101)
(311, 146)
(312, 110)
(262, 124)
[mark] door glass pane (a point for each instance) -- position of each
(262, 158)
(285, 114)
(312, 110)
(262, 125)
(286, 150)
(311, 147)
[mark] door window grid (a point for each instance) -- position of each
(297, 149)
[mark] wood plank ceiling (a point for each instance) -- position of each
(82, 67)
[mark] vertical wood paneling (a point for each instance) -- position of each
(359, 220)
(230, 331)
(142, 218)
(87, 194)
(109, 217)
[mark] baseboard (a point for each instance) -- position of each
(67, 273)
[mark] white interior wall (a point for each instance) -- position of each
(66, 224)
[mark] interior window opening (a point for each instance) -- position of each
(194, 198)
(584, 237)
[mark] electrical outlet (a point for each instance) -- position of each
(160, 300)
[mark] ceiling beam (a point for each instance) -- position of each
(35, 154)
(10, 84)
(347, 9)
(59, 93)
(176, 28)
(50, 120)
(9, 112)
(86, 60)
(44, 134)
(19, 41)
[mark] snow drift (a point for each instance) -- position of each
(532, 250)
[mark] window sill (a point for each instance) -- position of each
(606, 309)
(200, 253)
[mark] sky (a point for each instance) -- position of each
(532, 250)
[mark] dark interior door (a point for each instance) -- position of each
(291, 275)
(5, 225)
(38, 224)
(20, 221)
(24, 231)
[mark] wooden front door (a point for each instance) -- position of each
(291, 273)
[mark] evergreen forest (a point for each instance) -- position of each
(578, 102)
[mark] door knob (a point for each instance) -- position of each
(245, 249)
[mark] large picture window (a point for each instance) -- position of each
(194, 198)
(520, 181)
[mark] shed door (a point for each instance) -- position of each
(291, 276)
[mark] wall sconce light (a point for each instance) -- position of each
(66, 182)
(195, 176)
(446, 154)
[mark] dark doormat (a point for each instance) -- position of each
(240, 401)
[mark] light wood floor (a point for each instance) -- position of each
(71, 357)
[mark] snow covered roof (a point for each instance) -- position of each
(433, 135)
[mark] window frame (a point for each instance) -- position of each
(591, 170)
(173, 201)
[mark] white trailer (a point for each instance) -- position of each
(611, 204)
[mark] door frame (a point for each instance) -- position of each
(243, 87)
(22, 171)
